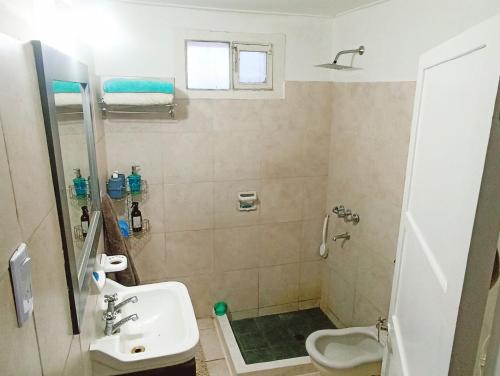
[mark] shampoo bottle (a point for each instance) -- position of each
(136, 217)
(80, 184)
(85, 220)
(134, 181)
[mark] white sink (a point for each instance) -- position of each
(166, 330)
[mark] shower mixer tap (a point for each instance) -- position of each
(341, 212)
(345, 237)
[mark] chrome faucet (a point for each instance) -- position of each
(132, 299)
(381, 325)
(116, 308)
(111, 300)
(112, 328)
(345, 236)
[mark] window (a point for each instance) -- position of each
(207, 65)
(253, 66)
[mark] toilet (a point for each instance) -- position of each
(346, 352)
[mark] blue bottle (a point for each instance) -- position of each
(80, 185)
(116, 186)
(134, 181)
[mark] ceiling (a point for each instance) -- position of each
(323, 8)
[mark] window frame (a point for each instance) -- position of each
(178, 60)
(238, 47)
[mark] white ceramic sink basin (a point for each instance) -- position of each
(165, 334)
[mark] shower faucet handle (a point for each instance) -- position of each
(339, 210)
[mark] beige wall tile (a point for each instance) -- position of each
(240, 289)
(226, 213)
(188, 206)
(74, 362)
(276, 309)
(278, 285)
(365, 313)
(279, 243)
(237, 155)
(143, 149)
(312, 232)
(153, 208)
(151, 260)
(310, 280)
(192, 116)
(51, 309)
(341, 298)
(240, 315)
(188, 157)
(189, 253)
(281, 200)
(10, 236)
(315, 155)
(237, 115)
(368, 152)
(200, 291)
(24, 131)
(236, 248)
(314, 197)
(282, 154)
(308, 304)
(374, 278)
(19, 340)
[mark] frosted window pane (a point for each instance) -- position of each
(253, 67)
(207, 65)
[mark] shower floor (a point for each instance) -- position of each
(276, 337)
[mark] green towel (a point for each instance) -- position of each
(127, 85)
(59, 87)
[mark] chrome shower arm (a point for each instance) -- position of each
(360, 51)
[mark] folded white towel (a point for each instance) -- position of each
(137, 99)
(68, 99)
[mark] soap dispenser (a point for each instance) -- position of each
(134, 181)
(116, 186)
(80, 184)
(85, 220)
(136, 217)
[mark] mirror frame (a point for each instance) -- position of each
(52, 65)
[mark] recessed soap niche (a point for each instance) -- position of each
(247, 201)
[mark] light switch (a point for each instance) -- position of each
(20, 271)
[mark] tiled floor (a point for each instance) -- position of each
(212, 349)
(275, 337)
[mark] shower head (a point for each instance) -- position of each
(337, 66)
(334, 65)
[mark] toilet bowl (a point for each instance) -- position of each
(346, 352)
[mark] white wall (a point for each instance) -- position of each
(137, 40)
(396, 32)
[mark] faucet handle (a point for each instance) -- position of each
(109, 317)
(110, 298)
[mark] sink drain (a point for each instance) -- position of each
(138, 349)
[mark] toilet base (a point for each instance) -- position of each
(367, 369)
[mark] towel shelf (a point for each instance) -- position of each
(168, 109)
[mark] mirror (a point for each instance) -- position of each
(75, 160)
(67, 112)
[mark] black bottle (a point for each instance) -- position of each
(85, 220)
(136, 217)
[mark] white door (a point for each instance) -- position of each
(456, 91)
